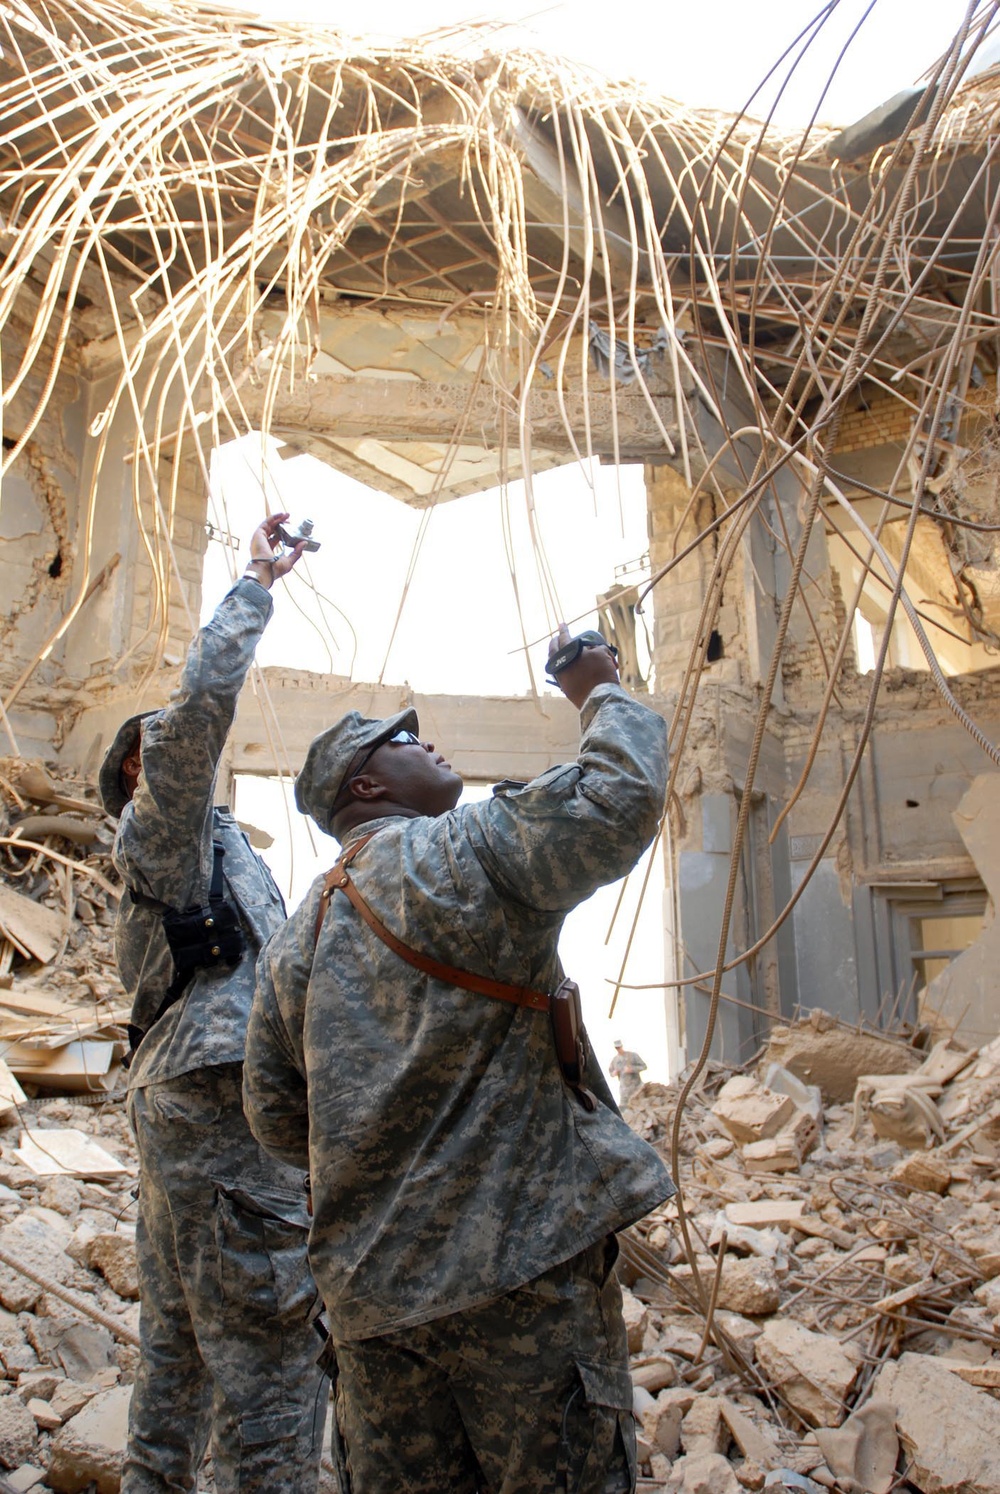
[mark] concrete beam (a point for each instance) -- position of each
(402, 410)
(485, 738)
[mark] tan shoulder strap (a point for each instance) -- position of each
(337, 878)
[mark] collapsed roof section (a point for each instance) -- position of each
(443, 270)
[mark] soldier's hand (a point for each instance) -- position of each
(265, 540)
(595, 666)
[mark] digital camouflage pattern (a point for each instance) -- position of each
(163, 850)
(627, 1068)
(527, 1394)
(227, 1348)
(450, 1163)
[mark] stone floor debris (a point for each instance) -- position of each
(838, 1326)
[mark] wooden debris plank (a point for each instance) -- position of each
(11, 1093)
(33, 1003)
(80, 1066)
(29, 925)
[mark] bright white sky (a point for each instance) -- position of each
(710, 56)
(459, 630)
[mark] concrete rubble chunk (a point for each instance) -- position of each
(756, 1443)
(950, 1431)
(865, 1449)
(814, 1370)
(749, 1112)
(661, 1426)
(84, 1350)
(45, 1418)
(657, 1372)
(90, 1448)
(18, 1432)
(820, 1051)
(113, 1254)
(39, 1246)
(746, 1286)
(636, 1320)
(704, 1428)
(924, 1172)
(708, 1473)
(767, 1212)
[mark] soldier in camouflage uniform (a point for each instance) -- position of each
(464, 1200)
(627, 1068)
(226, 1295)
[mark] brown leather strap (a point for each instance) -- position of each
(337, 878)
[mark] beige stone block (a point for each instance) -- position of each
(749, 1112)
(704, 1428)
(90, 1449)
(814, 1370)
(950, 1431)
(658, 1372)
(661, 1427)
(636, 1317)
(925, 1172)
(703, 1474)
(113, 1254)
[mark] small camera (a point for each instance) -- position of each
(301, 536)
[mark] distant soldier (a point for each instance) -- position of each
(626, 1068)
(227, 1349)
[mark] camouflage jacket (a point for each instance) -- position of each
(163, 850)
(449, 1161)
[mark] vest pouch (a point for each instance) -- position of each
(202, 937)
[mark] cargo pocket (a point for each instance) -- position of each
(262, 1239)
(599, 1436)
(269, 1427)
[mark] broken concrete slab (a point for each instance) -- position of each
(90, 1448)
(821, 1051)
(950, 1431)
(814, 1370)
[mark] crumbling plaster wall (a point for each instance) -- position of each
(837, 947)
(75, 566)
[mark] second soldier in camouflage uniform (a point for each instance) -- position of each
(227, 1349)
(465, 1201)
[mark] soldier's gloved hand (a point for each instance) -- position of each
(263, 542)
(595, 666)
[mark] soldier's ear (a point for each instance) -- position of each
(367, 789)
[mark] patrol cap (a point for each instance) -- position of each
(331, 754)
(109, 779)
(618, 1042)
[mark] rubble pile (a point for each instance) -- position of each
(61, 1004)
(838, 1325)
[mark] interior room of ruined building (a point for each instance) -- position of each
(439, 279)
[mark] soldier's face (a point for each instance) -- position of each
(417, 776)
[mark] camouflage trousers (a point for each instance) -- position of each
(227, 1348)
(529, 1393)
